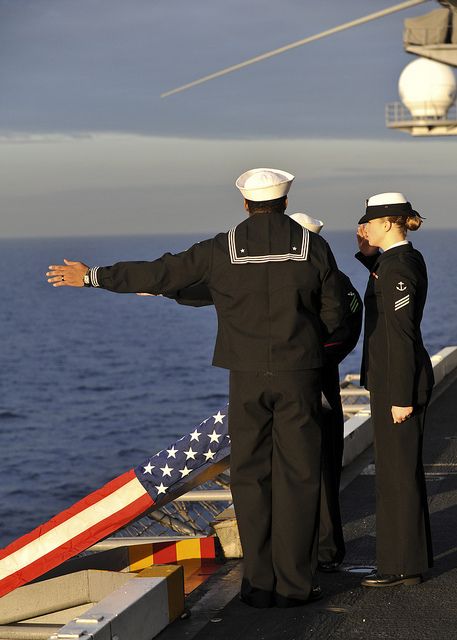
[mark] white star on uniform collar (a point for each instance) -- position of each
(172, 452)
(195, 435)
(218, 417)
(184, 472)
(166, 470)
(214, 437)
(161, 489)
(190, 454)
(148, 468)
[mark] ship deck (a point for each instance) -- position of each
(349, 611)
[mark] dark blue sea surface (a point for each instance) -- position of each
(92, 382)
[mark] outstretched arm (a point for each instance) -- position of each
(166, 275)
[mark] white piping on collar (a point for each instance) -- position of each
(283, 257)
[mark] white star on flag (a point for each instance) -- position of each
(161, 488)
(195, 435)
(218, 417)
(172, 452)
(166, 470)
(214, 437)
(184, 472)
(148, 468)
(209, 455)
(190, 454)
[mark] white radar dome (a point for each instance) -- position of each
(427, 88)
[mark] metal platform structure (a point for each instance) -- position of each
(399, 118)
(434, 37)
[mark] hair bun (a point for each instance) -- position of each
(412, 223)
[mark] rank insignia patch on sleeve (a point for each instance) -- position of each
(402, 302)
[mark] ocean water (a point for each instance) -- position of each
(92, 382)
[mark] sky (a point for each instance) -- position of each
(88, 147)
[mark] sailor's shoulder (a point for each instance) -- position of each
(407, 262)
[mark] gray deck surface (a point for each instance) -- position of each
(348, 611)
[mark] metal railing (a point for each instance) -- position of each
(396, 113)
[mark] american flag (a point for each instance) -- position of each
(191, 460)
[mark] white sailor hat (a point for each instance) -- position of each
(387, 204)
(264, 184)
(312, 224)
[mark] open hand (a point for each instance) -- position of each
(70, 274)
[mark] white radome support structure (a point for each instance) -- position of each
(427, 91)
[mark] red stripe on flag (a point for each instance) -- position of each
(76, 545)
(120, 510)
(207, 548)
(164, 552)
(63, 516)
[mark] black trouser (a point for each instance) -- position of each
(274, 423)
(331, 541)
(403, 539)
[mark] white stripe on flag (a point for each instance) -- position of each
(72, 527)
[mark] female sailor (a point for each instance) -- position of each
(398, 373)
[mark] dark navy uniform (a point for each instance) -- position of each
(338, 345)
(397, 370)
(277, 296)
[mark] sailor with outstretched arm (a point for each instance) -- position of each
(276, 292)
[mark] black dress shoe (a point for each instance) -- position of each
(284, 603)
(329, 567)
(255, 597)
(390, 580)
(257, 603)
